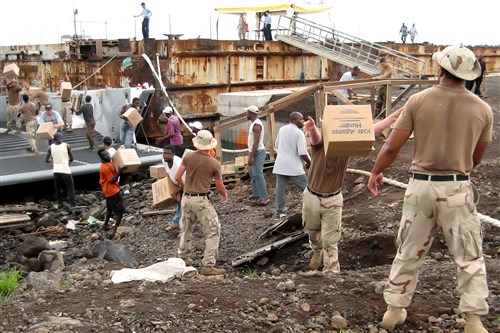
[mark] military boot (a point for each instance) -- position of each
(316, 260)
(9, 129)
(474, 324)
(211, 270)
(392, 317)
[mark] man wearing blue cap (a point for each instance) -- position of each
(60, 156)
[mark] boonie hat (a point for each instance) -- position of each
(196, 124)
(167, 109)
(204, 140)
(48, 107)
(459, 61)
(253, 109)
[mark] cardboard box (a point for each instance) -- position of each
(126, 158)
(133, 117)
(157, 171)
(161, 192)
(11, 71)
(241, 161)
(46, 131)
(348, 130)
(228, 169)
(65, 90)
(34, 92)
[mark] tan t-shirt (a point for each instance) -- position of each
(29, 111)
(13, 93)
(326, 174)
(201, 169)
(385, 70)
(447, 124)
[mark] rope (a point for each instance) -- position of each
(482, 218)
(235, 151)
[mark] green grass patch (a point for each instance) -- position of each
(9, 282)
(250, 273)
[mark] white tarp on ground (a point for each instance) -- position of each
(163, 271)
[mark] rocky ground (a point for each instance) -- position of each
(271, 294)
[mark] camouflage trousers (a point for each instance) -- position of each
(67, 114)
(322, 218)
(449, 206)
(31, 130)
(381, 100)
(12, 111)
(199, 209)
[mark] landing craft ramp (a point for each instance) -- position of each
(17, 164)
(345, 49)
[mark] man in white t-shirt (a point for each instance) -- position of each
(348, 76)
(257, 156)
(292, 150)
(172, 163)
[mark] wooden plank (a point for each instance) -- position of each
(273, 136)
(241, 161)
(373, 92)
(403, 94)
(158, 212)
(14, 226)
(12, 218)
(341, 97)
(218, 148)
(23, 208)
(388, 101)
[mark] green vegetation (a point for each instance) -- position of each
(64, 284)
(9, 282)
(344, 191)
(250, 273)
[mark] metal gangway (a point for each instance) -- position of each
(346, 49)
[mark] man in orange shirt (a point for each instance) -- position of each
(111, 188)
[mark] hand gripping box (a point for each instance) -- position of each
(133, 117)
(65, 90)
(157, 171)
(348, 130)
(46, 131)
(126, 158)
(11, 71)
(161, 192)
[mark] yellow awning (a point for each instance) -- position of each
(277, 8)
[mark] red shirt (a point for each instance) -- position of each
(106, 173)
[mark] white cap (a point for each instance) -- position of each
(253, 109)
(167, 109)
(196, 124)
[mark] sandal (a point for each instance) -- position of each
(264, 202)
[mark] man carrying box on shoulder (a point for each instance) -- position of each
(127, 131)
(323, 200)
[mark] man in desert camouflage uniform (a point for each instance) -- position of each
(66, 111)
(439, 193)
(13, 90)
(200, 169)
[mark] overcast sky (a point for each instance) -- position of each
(437, 21)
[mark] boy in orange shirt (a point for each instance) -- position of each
(111, 188)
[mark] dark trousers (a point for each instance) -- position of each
(64, 181)
(267, 32)
(145, 28)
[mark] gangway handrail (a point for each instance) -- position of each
(349, 49)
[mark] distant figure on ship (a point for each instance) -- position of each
(413, 33)
(146, 15)
(404, 32)
(242, 27)
(267, 26)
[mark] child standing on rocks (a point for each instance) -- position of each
(111, 188)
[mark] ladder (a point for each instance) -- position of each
(346, 49)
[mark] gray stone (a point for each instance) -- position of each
(32, 246)
(272, 317)
(113, 252)
(34, 265)
(358, 188)
(379, 287)
(281, 286)
(290, 285)
(56, 324)
(262, 261)
(359, 180)
(338, 322)
(51, 260)
(47, 220)
(43, 280)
